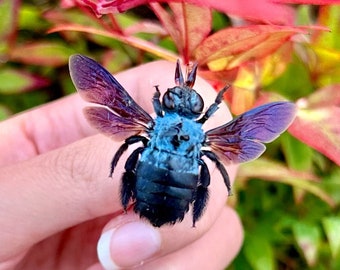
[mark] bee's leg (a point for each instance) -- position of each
(157, 106)
(128, 187)
(213, 107)
(220, 167)
(202, 193)
(123, 147)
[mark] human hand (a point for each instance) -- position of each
(56, 199)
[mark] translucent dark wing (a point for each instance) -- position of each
(242, 138)
(111, 125)
(117, 115)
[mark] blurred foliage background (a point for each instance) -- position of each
(289, 198)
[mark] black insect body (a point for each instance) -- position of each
(167, 174)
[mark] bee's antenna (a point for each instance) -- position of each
(179, 80)
(191, 76)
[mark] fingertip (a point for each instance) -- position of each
(128, 245)
(237, 236)
(103, 251)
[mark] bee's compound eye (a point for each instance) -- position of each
(196, 103)
(168, 101)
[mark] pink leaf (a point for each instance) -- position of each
(68, 3)
(324, 97)
(144, 26)
(317, 122)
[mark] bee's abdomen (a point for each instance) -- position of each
(163, 196)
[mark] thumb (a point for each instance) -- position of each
(54, 191)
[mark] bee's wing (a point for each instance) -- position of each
(115, 113)
(242, 139)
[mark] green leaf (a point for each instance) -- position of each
(308, 238)
(331, 183)
(299, 156)
(329, 15)
(4, 112)
(295, 82)
(273, 171)
(259, 252)
(304, 15)
(30, 18)
(331, 226)
(8, 23)
(42, 53)
(17, 81)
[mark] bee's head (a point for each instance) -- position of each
(182, 99)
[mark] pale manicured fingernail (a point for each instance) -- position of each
(128, 245)
(103, 250)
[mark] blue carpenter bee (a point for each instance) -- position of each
(167, 174)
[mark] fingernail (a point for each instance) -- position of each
(128, 245)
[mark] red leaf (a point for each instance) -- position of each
(130, 40)
(309, 2)
(169, 24)
(265, 11)
(101, 7)
(185, 25)
(261, 10)
(223, 75)
(240, 44)
(67, 3)
(317, 123)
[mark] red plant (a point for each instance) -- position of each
(238, 54)
(261, 10)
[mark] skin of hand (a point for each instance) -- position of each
(57, 200)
